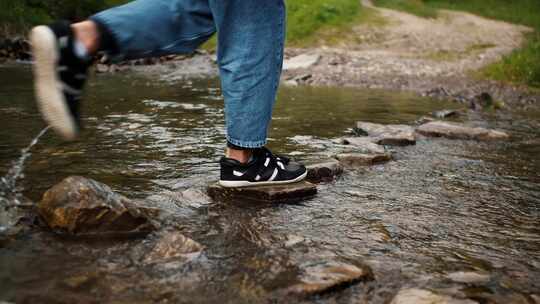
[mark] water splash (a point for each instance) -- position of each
(9, 192)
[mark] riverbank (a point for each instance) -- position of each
(441, 57)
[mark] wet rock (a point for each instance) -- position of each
(363, 144)
(79, 205)
(323, 277)
(469, 277)
(324, 171)
(301, 62)
(361, 159)
(481, 101)
(391, 135)
(290, 193)
(446, 113)
(457, 131)
(166, 246)
(15, 48)
(420, 296)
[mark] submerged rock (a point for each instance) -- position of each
(166, 246)
(420, 296)
(390, 135)
(324, 172)
(361, 159)
(322, 277)
(457, 131)
(288, 193)
(79, 205)
(469, 277)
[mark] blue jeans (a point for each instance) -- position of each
(251, 35)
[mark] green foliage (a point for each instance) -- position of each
(522, 66)
(18, 15)
(305, 17)
(415, 7)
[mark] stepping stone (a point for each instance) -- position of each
(389, 135)
(363, 144)
(361, 159)
(457, 131)
(324, 172)
(288, 193)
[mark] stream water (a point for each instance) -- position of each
(442, 206)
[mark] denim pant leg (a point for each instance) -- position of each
(148, 28)
(251, 35)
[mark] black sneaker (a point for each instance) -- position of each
(59, 77)
(264, 168)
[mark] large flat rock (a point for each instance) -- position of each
(324, 171)
(458, 131)
(352, 160)
(289, 193)
(389, 135)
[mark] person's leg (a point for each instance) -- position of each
(142, 28)
(149, 28)
(251, 36)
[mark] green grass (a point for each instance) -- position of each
(523, 65)
(306, 17)
(415, 7)
(311, 22)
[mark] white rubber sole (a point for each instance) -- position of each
(50, 98)
(238, 184)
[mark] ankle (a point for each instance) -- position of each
(242, 156)
(87, 33)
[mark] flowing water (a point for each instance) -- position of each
(442, 206)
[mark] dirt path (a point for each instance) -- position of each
(428, 56)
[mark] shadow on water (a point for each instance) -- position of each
(442, 206)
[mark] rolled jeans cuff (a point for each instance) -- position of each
(243, 145)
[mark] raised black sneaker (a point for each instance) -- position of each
(59, 77)
(264, 168)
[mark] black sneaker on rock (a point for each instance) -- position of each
(59, 77)
(264, 168)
